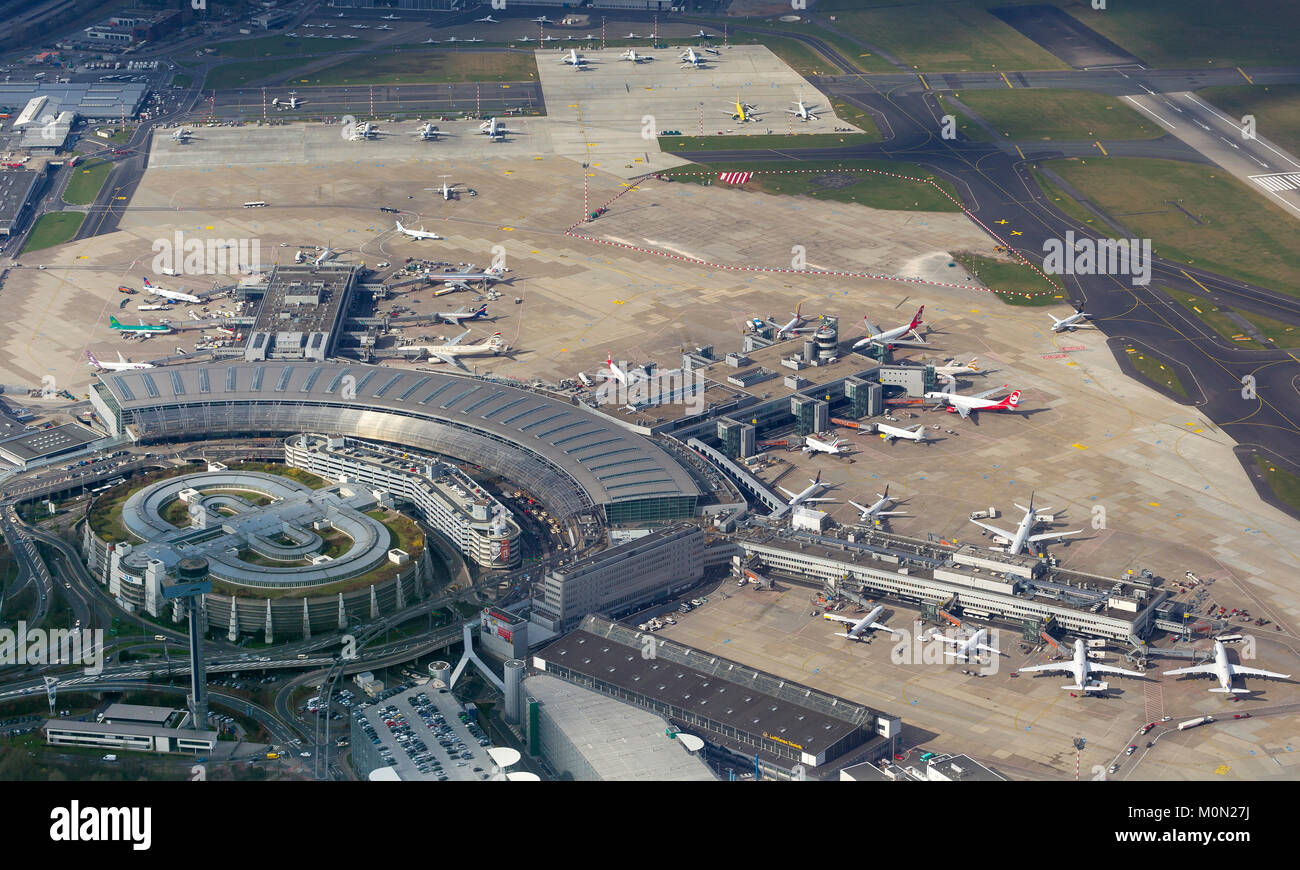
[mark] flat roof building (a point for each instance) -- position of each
(125, 735)
(18, 189)
(31, 448)
(100, 101)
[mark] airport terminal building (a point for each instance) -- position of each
(585, 463)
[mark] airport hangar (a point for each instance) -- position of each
(585, 463)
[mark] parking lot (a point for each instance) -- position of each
(425, 735)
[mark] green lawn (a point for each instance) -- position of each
(86, 182)
(1154, 369)
(839, 181)
(1023, 114)
(279, 46)
(1240, 234)
(1013, 283)
(1214, 317)
(941, 35)
(236, 75)
(1285, 485)
(183, 80)
(304, 477)
(1198, 33)
(1276, 109)
(1070, 205)
(430, 66)
(1282, 334)
(53, 229)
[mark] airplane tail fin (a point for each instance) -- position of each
(147, 282)
(916, 321)
(113, 321)
(1013, 400)
(90, 358)
(818, 478)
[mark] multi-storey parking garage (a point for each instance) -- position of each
(585, 463)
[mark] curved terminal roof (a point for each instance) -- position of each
(609, 463)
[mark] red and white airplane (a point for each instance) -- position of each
(964, 405)
(895, 336)
(613, 372)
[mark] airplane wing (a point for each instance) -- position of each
(1003, 532)
(988, 648)
(871, 327)
(880, 626)
(457, 340)
(1256, 672)
(1052, 666)
(943, 638)
(1111, 669)
(963, 410)
(843, 619)
(906, 342)
(1047, 536)
(807, 500)
(450, 359)
(1195, 669)
(787, 492)
(859, 507)
(987, 393)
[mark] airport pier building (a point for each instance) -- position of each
(746, 717)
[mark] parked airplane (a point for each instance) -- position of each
(895, 336)
(876, 509)
(493, 129)
(486, 20)
(325, 255)
(1224, 671)
(474, 39)
(804, 497)
(155, 290)
(1082, 669)
(743, 112)
(447, 190)
(812, 444)
(543, 20)
(364, 130)
(803, 111)
(390, 17)
(1022, 535)
(631, 36)
(430, 41)
(966, 648)
(122, 365)
(456, 318)
(1071, 323)
(524, 39)
(573, 58)
(487, 275)
(453, 349)
(690, 58)
(964, 405)
(889, 433)
(794, 327)
(142, 328)
(291, 103)
(182, 135)
(858, 626)
(703, 35)
(421, 233)
(613, 372)
(631, 55)
(383, 27)
(427, 133)
(949, 370)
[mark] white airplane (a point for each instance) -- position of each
(447, 190)
(1224, 671)
(430, 41)
(1016, 540)
(690, 58)
(421, 233)
(364, 130)
(493, 129)
(524, 39)
(803, 497)
(487, 276)
(1082, 669)
(383, 27)
(1071, 323)
(889, 433)
(631, 55)
(812, 444)
(613, 372)
(155, 290)
(474, 39)
(291, 103)
(949, 370)
(543, 20)
(361, 27)
(877, 508)
(453, 349)
(390, 17)
(803, 111)
(427, 133)
(182, 135)
(326, 254)
(966, 648)
(794, 327)
(964, 405)
(454, 39)
(547, 38)
(458, 318)
(864, 624)
(122, 364)
(486, 20)
(573, 58)
(895, 336)
(703, 35)
(631, 36)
